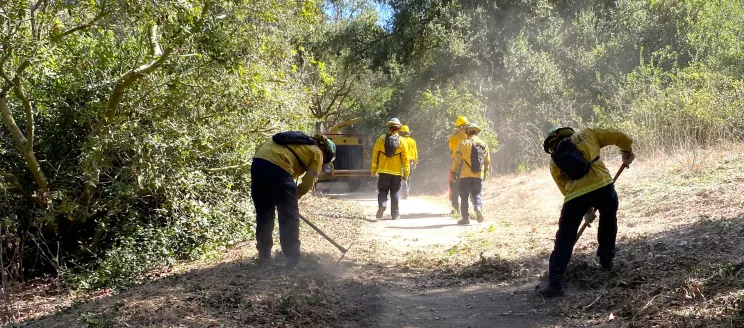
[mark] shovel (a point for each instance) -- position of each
(588, 221)
(340, 248)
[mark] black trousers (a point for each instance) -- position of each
(388, 183)
(470, 187)
(603, 199)
(273, 188)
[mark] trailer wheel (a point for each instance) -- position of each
(354, 184)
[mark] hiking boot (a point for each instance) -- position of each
(380, 211)
(479, 214)
(463, 222)
(292, 263)
(551, 289)
(606, 265)
(396, 216)
(264, 257)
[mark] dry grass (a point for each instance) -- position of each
(231, 290)
(680, 261)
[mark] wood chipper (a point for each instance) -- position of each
(353, 159)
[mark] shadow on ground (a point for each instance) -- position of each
(235, 294)
(688, 277)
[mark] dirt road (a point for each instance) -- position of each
(425, 225)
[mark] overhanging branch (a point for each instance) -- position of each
(92, 22)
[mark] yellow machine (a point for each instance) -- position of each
(353, 159)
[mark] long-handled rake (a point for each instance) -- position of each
(340, 248)
(588, 223)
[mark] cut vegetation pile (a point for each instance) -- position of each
(680, 262)
(231, 290)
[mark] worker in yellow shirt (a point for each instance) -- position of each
(461, 123)
(586, 184)
(471, 163)
(276, 165)
(390, 161)
(405, 132)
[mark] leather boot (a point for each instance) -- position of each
(551, 289)
(479, 214)
(380, 211)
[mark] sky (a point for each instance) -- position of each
(384, 11)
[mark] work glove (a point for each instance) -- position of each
(628, 158)
(405, 177)
(590, 215)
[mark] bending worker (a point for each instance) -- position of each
(405, 132)
(455, 139)
(390, 161)
(276, 165)
(472, 161)
(587, 185)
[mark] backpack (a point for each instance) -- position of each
(570, 161)
(392, 141)
(477, 154)
(294, 138)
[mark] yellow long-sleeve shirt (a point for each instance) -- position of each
(589, 142)
(310, 155)
(412, 149)
(398, 164)
(462, 163)
(455, 140)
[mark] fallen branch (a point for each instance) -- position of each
(227, 168)
(601, 293)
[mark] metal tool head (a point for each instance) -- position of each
(344, 253)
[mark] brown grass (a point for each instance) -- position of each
(680, 261)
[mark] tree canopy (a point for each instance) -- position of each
(129, 126)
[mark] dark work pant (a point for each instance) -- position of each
(273, 187)
(454, 191)
(603, 199)
(470, 187)
(388, 183)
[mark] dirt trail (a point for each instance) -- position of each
(425, 225)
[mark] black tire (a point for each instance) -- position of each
(354, 184)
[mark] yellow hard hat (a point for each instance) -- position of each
(405, 129)
(461, 120)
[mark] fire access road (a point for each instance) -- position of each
(425, 226)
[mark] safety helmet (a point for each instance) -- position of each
(473, 127)
(556, 133)
(327, 146)
(461, 120)
(405, 129)
(393, 122)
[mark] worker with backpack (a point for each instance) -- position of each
(390, 160)
(461, 123)
(277, 164)
(471, 163)
(586, 183)
(405, 132)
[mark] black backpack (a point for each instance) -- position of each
(570, 161)
(392, 141)
(294, 138)
(477, 154)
